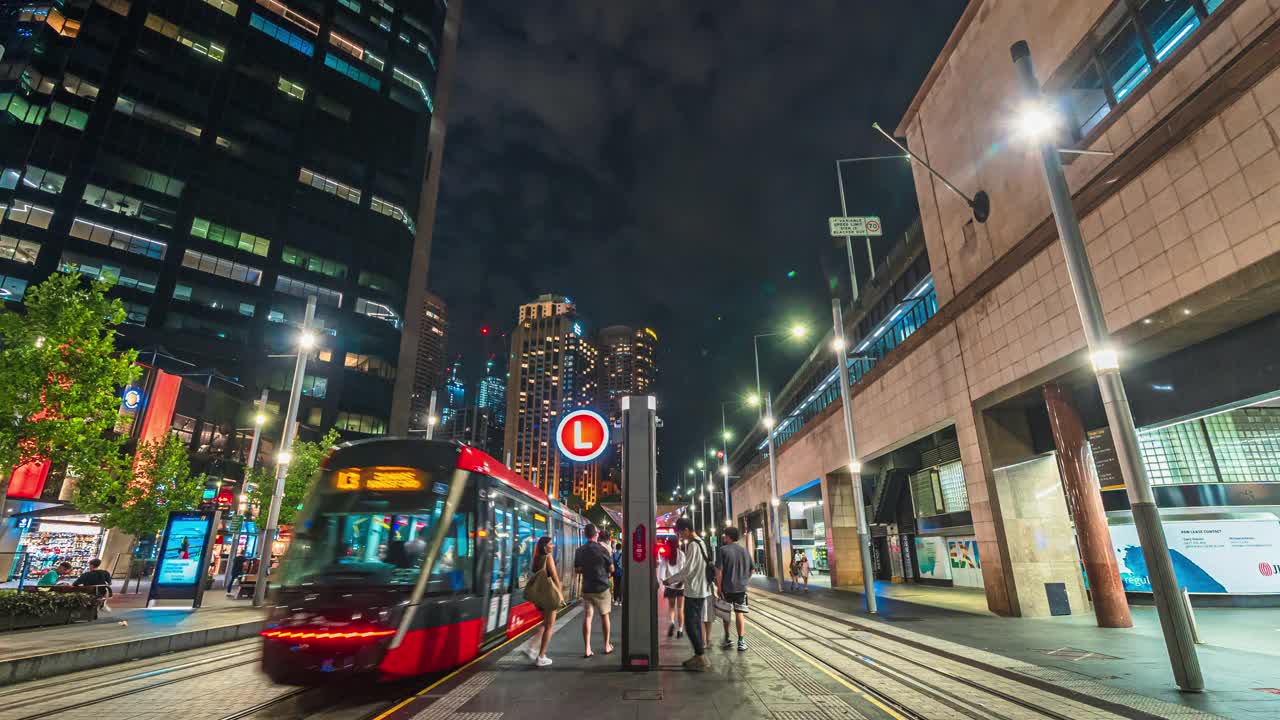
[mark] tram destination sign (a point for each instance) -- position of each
(379, 477)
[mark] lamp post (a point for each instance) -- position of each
(306, 342)
(839, 345)
(795, 331)
(1175, 620)
(774, 501)
(259, 419)
(844, 211)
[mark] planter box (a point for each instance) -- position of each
(62, 617)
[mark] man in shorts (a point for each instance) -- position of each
(733, 570)
(594, 565)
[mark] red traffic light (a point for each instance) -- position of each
(720, 454)
(484, 330)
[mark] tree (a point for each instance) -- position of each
(60, 375)
(138, 500)
(307, 457)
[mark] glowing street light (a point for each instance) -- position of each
(753, 399)
(727, 435)
(259, 419)
(767, 422)
(701, 465)
(1035, 122)
(284, 457)
(307, 340)
(798, 331)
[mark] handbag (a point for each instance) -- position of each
(723, 609)
(542, 592)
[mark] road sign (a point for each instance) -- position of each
(866, 226)
(582, 436)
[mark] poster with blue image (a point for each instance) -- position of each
(180, 558)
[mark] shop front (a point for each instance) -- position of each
(45, 542)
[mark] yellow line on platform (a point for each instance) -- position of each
(868, 697)
(448, 677)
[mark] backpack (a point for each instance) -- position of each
(710, 566)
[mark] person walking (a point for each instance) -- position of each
(544, 562)
(617, 573)
(668, 566)
(794, 569)
(697, 589)
(802, 569)
(594, 566)
(733, 570)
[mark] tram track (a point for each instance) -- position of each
(989, 703)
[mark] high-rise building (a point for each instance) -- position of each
(455, 391)
(221, 162)
(491, 392)
(429, 369)
(628, 366)
(552, 372)
(474, 426)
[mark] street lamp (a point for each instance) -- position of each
(796, 331)
(1175, 620)
(855, 468)
(259, 419)
(306, 342)
(844, 212)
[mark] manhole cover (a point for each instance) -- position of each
(1076, 654)
(641, 694)
(1273, 691)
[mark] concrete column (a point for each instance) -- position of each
(1084, 498)
(844, 553)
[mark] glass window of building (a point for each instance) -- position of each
(222, 267)
(313, 263)
(18, 250)
(117, 238)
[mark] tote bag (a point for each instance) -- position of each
(542, 592)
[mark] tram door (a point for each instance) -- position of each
(498, 516)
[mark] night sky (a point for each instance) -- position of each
(668, 163)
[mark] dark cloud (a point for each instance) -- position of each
(668, 162)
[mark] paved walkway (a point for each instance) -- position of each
(1239, 657)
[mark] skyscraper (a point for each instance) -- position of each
(628, 366)
(491, 392)
(552, 371)
(455, 391)
(428, 369)
(222, 161)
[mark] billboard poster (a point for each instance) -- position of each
(931, 555)
(183, 557)
(966, 567)
(1209, 556)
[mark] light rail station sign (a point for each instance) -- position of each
(861, 226)
(582, 435)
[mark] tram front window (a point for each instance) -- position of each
(379, 549)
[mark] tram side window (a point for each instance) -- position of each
(453, 570)
(524, 545)
(503, 534)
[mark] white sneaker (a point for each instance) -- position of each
(542, 661)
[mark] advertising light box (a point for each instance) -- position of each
(1224, 556)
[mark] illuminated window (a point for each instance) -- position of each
(314, 263)
(391, 210)
(174, 32)
(69, 116)
(119, 239)
(380, 22)
(52, 17)
(156, 116)
(223, 235)
(97, 269)
(28, 214)
(352, 71)
(378, 311)
(333, 187)
(18, 250)
(370, 365)
(76, 85)
(128, 205)
(299, 20)
(273, 30)
(413, 82)
(12, 289)
(368, 424)
(291, 88)
(25, 112)
(222, 267)
(225, 6)
(302, 289)
(351, 5)
(38, 179)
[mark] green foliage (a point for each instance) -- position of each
(60, 374)
(40, 604)
(138, 500)
(307, 457)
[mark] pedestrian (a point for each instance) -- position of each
(544, 562)
(697, 589)
(56, 573)
(802, 566)
(733, 570)
(617, 573)
(98, 579)
(674, 595)
(795, 570)
(594, 565)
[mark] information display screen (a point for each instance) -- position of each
(184, 547)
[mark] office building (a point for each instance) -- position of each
(221, 162)
(628, 366)
(474, 426)
(455, 392)
(552, 371)
(491, 391)
(429, 366)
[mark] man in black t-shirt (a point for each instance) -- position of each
(97, 578)
(594, 565)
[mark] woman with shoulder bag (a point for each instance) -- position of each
(543, 590)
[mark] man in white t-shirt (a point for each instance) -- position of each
(697, 593)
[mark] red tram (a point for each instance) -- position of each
(408, 558)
